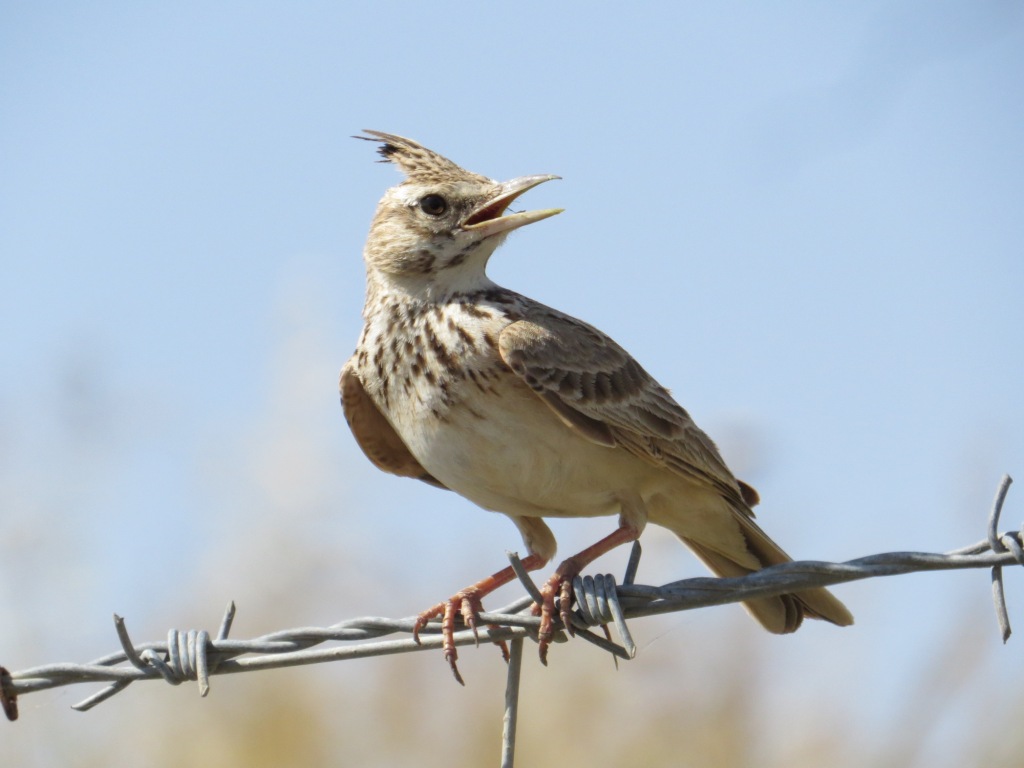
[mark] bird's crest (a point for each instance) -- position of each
(416, 161)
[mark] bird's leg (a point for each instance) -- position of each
(631, 525)
(467, 603)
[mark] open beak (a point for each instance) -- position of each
(487, 220)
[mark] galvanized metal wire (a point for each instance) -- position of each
(196, 655)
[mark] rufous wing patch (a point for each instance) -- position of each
(374, 433)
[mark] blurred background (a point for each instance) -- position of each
(804, 218)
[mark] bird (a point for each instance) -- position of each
(524, 410)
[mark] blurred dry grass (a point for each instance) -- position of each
(707, 689)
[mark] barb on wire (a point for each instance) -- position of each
(600, 601)
(1001, 544)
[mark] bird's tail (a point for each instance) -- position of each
(781, 614)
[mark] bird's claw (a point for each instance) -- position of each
(466, 604)
(560, 585)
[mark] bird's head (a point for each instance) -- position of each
(441, 225)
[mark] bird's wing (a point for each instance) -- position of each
(595, 387)
(374, 433)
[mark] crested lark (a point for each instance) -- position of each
(524, 410)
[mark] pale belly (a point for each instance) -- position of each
(511, 454)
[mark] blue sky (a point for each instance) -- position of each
(803, 218)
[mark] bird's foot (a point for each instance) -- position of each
(560, 586)
(465, 605)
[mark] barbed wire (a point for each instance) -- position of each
(196, 656)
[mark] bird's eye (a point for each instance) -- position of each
(433, 205)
